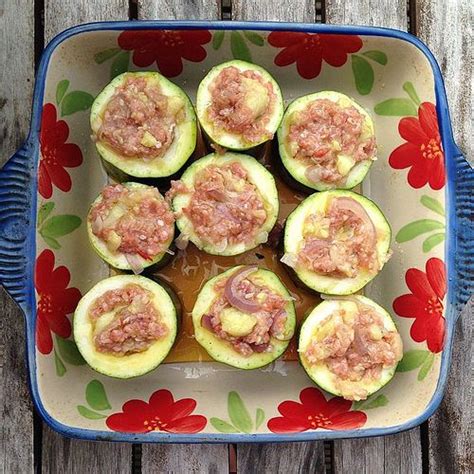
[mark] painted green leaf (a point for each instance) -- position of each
(87, 413)
(238, 413)
(44, 212)
(238, 47)
(96, 396)
(412, 360)
(409, 88)
(222, 426)
(416, 228)
(57, 226)
(76, 101)
(259, 417)
(254, 38)
(379, 401)
(396, 108)
(425, 368)
(120, 64)
(102, 56)
(217, 40)
(377, 56)
(432, 204)
(432, 241)
(61, 90)
(363, 74)
(60, 367)
(50, 242)
(69, 352)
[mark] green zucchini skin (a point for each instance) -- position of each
(228, 140)
(259, 176)
(130, 169)
(115, 260)
(322, 377)
(132, 365)
(222, 351)
(292, 170)
(333, 285)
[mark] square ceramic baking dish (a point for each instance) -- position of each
(420, 181)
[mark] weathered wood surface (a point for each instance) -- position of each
(300, 457)
(60, 454)
(398, 453)
(446, 27)
(182, 458)
(16, 87)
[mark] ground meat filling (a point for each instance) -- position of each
(242, 102)
(356, 350)
(323, 131)
(136, 323)
(270, 319)
(341, 242)
(225, 207)
(132, 221)
(139, 120)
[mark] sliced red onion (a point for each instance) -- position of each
(280, 318)
(182, 241)
(313, 174)
(349, 204)
(234, 297)
(135, 262)
(289, 259)
(206, 322)
(97, 224)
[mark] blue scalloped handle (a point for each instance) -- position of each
(464, 208)
(16, 196)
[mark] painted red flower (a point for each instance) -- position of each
(310, 50)
(425, 303)
(56, 154)
(422, 152)
(55, 301)
(315, 412)
(162, 413)
(167, 47)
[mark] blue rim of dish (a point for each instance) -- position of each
(452, 156)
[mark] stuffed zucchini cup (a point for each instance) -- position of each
(131, 226)
(125, 326)
(225, 204)
(350, 347)
(143, 125)
(326, 141)
(244, 317)
(239, 105)
(336, 241)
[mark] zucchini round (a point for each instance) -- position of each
(320, 325)
(257, 176)
(130, 364)
(221, 350)
(184, 132)
(119, 259)
(353, 172)
(256, 99)
(294, 240)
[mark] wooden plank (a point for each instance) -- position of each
(389, 13)
(276, 10)
(182, 458)
(16, 88)
(290, 457)
(178, 10)
(60, 454)
(446, 27)
(398, 453)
